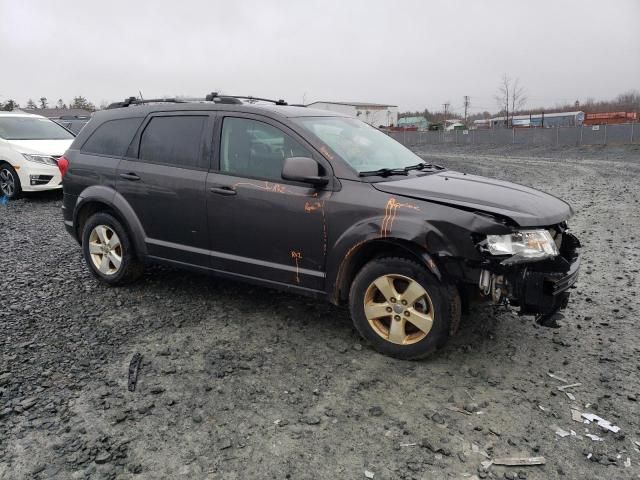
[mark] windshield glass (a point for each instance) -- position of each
(31, 128)
(360, 145)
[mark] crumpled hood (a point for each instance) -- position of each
(42, 147)
(526, 206)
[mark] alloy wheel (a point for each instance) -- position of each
(398, 309)
(105, 250)
(7, 182)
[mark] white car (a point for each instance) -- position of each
(29, 148)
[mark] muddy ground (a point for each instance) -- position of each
(242, 382)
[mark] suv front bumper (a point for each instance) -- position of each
(543, 291)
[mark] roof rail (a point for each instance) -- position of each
(136, 101)
(212, 97)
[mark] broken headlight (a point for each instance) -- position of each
(523, 246)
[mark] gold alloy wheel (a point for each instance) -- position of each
(398, 309)
(105, 250)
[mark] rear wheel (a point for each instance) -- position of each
(401, 308)
(9, 182)
(108, 250)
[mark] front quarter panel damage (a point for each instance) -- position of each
(428, 231)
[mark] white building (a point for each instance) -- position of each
(375, 114)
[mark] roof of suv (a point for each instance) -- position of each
(273, 110)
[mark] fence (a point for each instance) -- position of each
(576, 136)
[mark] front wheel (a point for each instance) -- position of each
(401, 308)
(9, 182)
(108, 250)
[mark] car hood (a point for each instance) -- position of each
(525, 206)
(43, 147)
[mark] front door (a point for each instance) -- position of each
(260, 225)
(164, 179)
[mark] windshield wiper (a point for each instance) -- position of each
(384, 172)
(423, 166)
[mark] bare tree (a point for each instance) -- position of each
(31, 105)
(60, 104)
(518, 97)
(503, 96)
(43, 102)
(511, 96)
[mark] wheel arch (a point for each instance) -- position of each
(104, 199)
(365, 251)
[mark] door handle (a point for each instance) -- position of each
(130, 176)
(222, 190)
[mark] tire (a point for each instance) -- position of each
(116, 263)
(392, 332)
(10, 186)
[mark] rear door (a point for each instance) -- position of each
(163, 178)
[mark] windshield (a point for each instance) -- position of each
(31, 128)
(360, 145)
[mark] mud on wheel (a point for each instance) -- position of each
(401, 308)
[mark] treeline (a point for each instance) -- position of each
(43, 102)
(625, 102)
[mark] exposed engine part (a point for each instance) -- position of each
(493, 285)
(485, 282)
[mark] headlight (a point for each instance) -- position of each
(45, 159)
(527, 245)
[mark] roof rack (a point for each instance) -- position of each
(212, 97)
(137, 101)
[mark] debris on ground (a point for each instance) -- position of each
(562, 388)
(134, 368)
(519, 461)
(593, 437)
(557, 377)
(561, 433)
(601, 422)
(453, 408)
(576, 415)
(369, 474)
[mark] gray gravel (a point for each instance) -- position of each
(240, 382)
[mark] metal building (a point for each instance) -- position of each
(376, 114)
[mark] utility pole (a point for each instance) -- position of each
(466, 107)
(446, 108)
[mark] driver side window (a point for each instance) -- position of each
(250, 148)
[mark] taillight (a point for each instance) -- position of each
(63, 166)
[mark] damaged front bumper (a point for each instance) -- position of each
(537, 288)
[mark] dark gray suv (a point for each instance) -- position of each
(317, 203)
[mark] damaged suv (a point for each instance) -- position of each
(317, 203)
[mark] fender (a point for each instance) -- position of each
(110, 197)
(408, 234)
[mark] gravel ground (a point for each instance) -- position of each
(239, 382)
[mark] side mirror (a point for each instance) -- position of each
(304, 170)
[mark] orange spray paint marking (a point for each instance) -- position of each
(267, 186)
(297, 256)
(311, 206)
(390, 215)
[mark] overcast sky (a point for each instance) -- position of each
(414, 54)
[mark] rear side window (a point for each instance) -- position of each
(112, 138)
(174, 141)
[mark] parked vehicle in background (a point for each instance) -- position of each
(314, 202)
(72, 122)
(29, 148)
